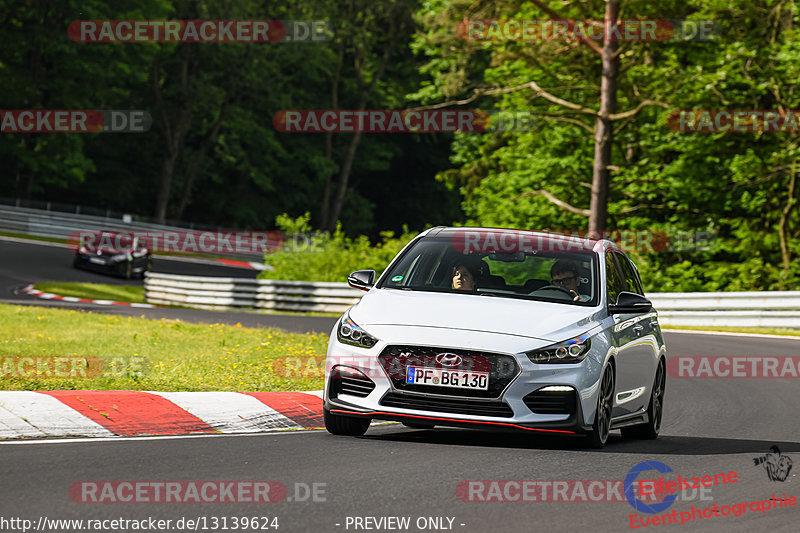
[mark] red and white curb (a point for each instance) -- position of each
(49, 296)
(253, 265)
(89, 413)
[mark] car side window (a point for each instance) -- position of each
(629, 278)
(614, 283)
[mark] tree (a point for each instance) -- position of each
(368, 34)
(605, 114)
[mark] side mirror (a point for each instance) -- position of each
(630, 302)
(362, 279)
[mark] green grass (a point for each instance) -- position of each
(30, 237)
(95, 291)
(765, 331)
(145, 354)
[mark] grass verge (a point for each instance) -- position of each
(145, 354)
(95, 291)
(25, 236)
(763, 331)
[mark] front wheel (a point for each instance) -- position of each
(655, 411)
(345, 425)
(602, 418)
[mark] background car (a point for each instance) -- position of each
(514, 351)
(113, 252)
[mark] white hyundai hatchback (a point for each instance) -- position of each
(499, 329)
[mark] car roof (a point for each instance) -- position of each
(576, 238)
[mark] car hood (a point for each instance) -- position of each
(527, 318)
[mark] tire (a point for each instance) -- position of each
(602, 418)
(655, 411)
(147, 266)
(345, 425)
(127, 271)
(417, 425)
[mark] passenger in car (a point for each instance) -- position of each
(565, 274)
(463, 278)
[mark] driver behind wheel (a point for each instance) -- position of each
(565, 274)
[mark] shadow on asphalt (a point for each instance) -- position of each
(664, 445)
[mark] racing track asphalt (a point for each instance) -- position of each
(24, 263)
(710, 426)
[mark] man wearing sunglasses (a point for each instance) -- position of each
(565, 274)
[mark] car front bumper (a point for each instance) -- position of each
(527, 403)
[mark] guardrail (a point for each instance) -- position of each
(775, 309)
(60, 225)
(238, 293)
(746, 309)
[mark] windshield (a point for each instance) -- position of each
(438, 265)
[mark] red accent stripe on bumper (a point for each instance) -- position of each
(373, 413)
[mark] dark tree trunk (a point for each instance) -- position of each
(603, 131)
(325, 207)
(197, 163)
(344, 176)
(174, 136)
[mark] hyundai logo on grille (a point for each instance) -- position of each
(448, 359)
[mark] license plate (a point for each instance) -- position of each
(441, 377)
(97, 260)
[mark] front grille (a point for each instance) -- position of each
(502, 369)
(351, 384)
(546, 402)
(447, 405)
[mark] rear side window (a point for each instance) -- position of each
(630, 280)
(614, 284)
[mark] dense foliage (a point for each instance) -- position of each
(215, 153)
(323, 256)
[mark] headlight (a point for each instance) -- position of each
(351, 333)
(571, 351)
